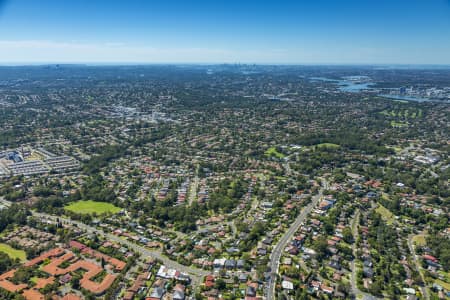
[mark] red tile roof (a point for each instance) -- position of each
(77, 245)
(71, 297)
(33, 295)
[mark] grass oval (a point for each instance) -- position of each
(90, 207)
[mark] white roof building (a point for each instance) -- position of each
(287, 285)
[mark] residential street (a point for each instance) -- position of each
(279, 247)
(354, 226)
(195, 274)
(417, 266)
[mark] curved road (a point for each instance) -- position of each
(288, 235)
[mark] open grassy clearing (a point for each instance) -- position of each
(389, 113)
(327, 145)
(419, 240)
(90, 207)
(444, 284)
(385, 214)
(397, 149)
(272, 151)
(13, 253)
(420, 113)
(34, 156)
(398, 124)
(403, 113)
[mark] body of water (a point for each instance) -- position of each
(353, 86)
(347, 85)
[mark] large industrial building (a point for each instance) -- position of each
(30, 161)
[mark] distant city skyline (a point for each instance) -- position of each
(261, 32)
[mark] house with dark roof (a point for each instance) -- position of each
(243, 277)
(157, 293)
(250, 291)
(368, 272)
(230, 264)
(178, 295)
(240, 264)
(335, 265)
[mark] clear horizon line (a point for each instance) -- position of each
(31, 63)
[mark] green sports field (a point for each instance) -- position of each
(90, 207)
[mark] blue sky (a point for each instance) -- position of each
(216, 31)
